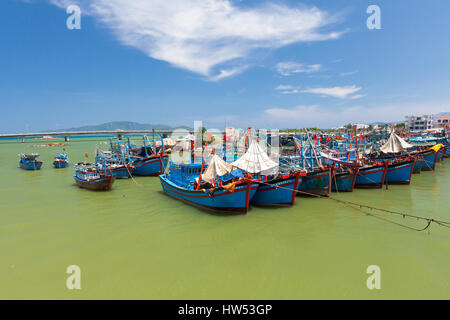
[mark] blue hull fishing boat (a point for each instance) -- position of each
(61, 161)
(93, 177)
(418, 165)
(217, 199)
(344, 181)
(219, 188)
(150, 166)
(149, 160)
(399, 172)
(278, 192)
(447, 152)
(429, 160)
(29, 162)
(371, 176)
(317, 182)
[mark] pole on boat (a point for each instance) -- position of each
(203, 162)
(154, 143)
(319, 164)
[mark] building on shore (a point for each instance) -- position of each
(419, 123)
(443, 122)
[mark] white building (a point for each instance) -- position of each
(417, 123)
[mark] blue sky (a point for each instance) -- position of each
(273, 64)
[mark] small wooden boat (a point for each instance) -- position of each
(29, 162)
(61, 161)
(93, 177)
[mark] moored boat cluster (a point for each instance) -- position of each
(309, 166)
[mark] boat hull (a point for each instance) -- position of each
(278, 192)
(344, 182)
(122, 172)
(220, 200)
(447, 152)
(60, 164)
(101, 184)
(418, 165)
(371, 177)
(32, 165)
(429, 160)
(399, 173)
(152, 166)
(316, 183)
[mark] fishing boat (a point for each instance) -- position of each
(61, 161)
(274, 188)
(93, 176)
(344, 179)
(316, 183)
(220, 188)
(29, 162)
(149, 160)
(116, 162)
(417, 168)
(429, 160)
(399, 171)
(371, 176)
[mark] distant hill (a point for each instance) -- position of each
(122, 125)
(442, 114)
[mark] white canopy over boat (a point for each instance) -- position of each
(256, 160)
(395, 144)
(216, 167)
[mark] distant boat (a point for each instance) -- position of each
(61, 161)
(116, 162)
(93, 177)
(29, 162)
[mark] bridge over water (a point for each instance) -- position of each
(68, 134)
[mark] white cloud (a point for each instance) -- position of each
(346, 74)
(288, 68)
(202, 35)
(287, 89)
(357, 96)
(337, 92)
(315, 115)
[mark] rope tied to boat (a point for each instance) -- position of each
(361, 206)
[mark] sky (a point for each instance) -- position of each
(265, 64)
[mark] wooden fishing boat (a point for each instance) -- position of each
(417, 168)
(61, 161)
(429, 160)
(29, 162)
(399, 171)
(93, 177)
(447, 151)
(280, 191)
(316, 182)
(344, 180)
(149, 160)
(371, 176)
(184, 182)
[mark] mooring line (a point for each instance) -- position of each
(361, 206)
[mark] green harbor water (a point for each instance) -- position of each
(135, 242)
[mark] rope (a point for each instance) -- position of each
(361, 206)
